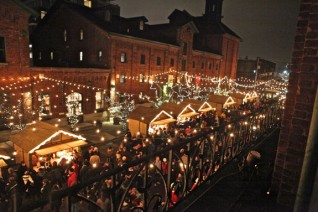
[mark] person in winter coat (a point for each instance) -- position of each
(72, 178)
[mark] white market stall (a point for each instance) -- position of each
(180, 111)
(42, 139)
(221, 101)
(145, 120)
(201, 106)
(242, 98)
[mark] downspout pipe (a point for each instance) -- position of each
(309, 168)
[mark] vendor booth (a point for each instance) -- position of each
(42, 139)
(4, 155)
(254, 95)
(201, 106)
(270, 94)
(242, 98)
(221, 101)
(180, 111)
(146, 120)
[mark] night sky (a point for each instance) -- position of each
(267, 27)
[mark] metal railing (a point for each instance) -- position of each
(141, 185)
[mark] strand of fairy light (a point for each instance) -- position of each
(209, 79)
(214, 80)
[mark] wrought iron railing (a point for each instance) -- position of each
(142, 186)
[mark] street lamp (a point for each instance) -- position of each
(255, 72)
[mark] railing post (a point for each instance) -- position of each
(69, 202)
(169, 173)
(15, 201)
(145, 185)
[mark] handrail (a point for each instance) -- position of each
(203, 155)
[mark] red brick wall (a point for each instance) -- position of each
(49, 37)
(71, 80)
(299, 105)
(14, 29)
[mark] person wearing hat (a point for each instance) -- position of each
(27, 183)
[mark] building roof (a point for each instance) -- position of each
(164, 33)
(149, 115)
(204, 26)
(220, 99)
(177, 110)
(25, 7)
(42, 135)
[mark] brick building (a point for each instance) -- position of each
(258, 68)
(135, 53)
(14, 40)
(14, 53)
(86, 54)
(294, 135)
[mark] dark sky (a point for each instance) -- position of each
(267, 27)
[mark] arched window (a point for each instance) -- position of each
(74, 103)
(45, 105)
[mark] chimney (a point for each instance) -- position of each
(213, 9)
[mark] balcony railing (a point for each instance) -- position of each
(144, 185)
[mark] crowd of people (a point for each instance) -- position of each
(36, 185)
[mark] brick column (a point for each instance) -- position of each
(299, 105)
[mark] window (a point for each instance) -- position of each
(99, 56)
(88, 3)
(81, 34)
(2, 50)
(158, 61)
(27, 100)
(141, 25)
(122, 78)
(183, 68)
(45, 105)
(202, 65)
(42, 13)
(141, 78)
(142, 59)
(170, 79)
(65, 35)
(123, 57)
(99, 100)
(184, 49)
(40, 56)
(74, 104)
(31, 52)
(171, 62)
(210, 66)
(52, 55)
(193, 64)
(81, 56)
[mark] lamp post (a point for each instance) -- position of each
(255, 72)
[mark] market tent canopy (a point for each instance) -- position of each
(218, 99)
(201, 106)
(179, 110)
(60, 147)
(4, 155)
(39, 134)
(271, 91)
(241, 98)
(150, 115)
(2, 163)
(140, 119)
(254, 94)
